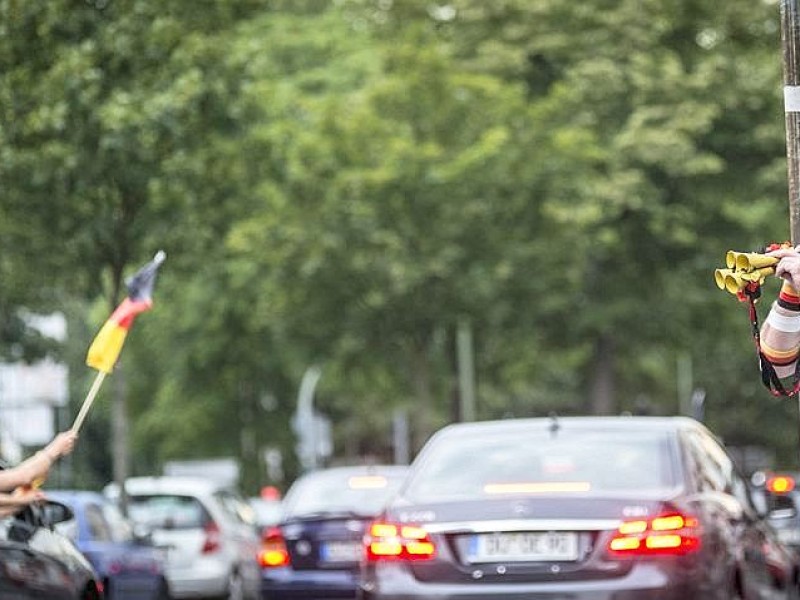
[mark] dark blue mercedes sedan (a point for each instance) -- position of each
(314, 552)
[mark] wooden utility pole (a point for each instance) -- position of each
(790, 41)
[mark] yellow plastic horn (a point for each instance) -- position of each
(750, 261)
(735, 281)
(720, 275)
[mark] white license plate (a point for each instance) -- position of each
(340, 551)
(523, 546)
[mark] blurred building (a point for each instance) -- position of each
(32, 394)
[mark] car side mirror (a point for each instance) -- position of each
(54, 512)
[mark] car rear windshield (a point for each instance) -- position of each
(167, 511)
(531, 462)
(341, 491)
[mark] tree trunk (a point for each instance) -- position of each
(120, 455)
(421, 380)
(119, 430)
(602, 385)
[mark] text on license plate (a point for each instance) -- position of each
(523, 546)
(341, 551)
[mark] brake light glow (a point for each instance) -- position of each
(388, 541)
(213, 538)
(668, 534)
(367, 482)
(780, 484)
(273, 549)
(537, 488)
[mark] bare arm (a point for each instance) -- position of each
(780, 333)
(37, 466)
(26, 472)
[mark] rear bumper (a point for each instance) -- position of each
(136, 587)
(288, 584)
(641, 583)
(194, 582)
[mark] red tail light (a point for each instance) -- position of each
(213, 538)
(273, 549)
(388, 541)
(673, 534)
(780, 484)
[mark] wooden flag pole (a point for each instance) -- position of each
(87, 403)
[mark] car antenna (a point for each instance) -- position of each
(554, 424)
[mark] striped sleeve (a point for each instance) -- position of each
(780, 334)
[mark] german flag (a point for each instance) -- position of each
(107, 344)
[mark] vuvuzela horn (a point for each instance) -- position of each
(735, 281)
(719, 277)
(750, 261)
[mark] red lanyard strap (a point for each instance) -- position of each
(750, 294)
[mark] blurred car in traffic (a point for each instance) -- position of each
(130, 568)
(38, 562)
(593, 508)
(267, 507)
(781, 502)
(211, 544)
(314, 552)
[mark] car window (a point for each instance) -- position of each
(714, 468)
(267, 512)
(98, 526)
(530, 462)
(120, 528)
(333, 490)
(167, 511)
(235, 507)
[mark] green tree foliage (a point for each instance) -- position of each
(343, 183)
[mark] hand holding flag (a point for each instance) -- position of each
(107, 345)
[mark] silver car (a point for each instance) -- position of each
(207, 529)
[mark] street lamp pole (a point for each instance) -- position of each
(305, 421)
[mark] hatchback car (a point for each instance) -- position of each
(130, 567)
(575, 508)
(314, 552)
(211, 545)
(37, 562)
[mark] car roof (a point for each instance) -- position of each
(606, 423)
(169, 484)
(76, 496)
(361, 470)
